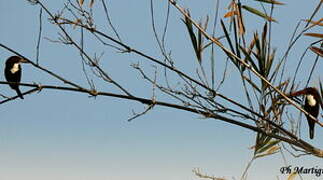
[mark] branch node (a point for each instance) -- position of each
(93, 92)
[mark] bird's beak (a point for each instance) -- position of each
(22, 60)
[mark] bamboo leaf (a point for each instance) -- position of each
(199, 45)
(264, 36)
(271, 2)
(319, 22)
(316, 35)
(251, 83)
(229, 14)
(230, 44)
(248, 58)
(267, 146)
(321, 89)
(259, 55)
(261, 141)
(292, 176)
(241, 26)
(258, 13)
(270, 62)
(81, 2)
(236, 42)
(270, 151)
(190, 30)
(317, 50)
(227, 36)
(91, 3)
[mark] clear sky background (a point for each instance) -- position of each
(69, 136)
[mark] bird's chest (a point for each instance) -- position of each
(15, 68)
(311, 101)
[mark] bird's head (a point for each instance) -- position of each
(15, 59)
(307, 91)
(311, 94)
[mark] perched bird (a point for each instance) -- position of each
(12, 72)
(312, 106)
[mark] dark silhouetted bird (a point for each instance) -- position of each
(312, 106)
(12, 72)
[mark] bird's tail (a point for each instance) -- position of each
(312, 133)
(19, 93)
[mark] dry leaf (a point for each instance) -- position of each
(229, 14)
(292, 176)
(317, 50)
(81, 2)
(319, 22)
(273, 149)
(317, 35)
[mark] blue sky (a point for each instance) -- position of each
(69, 136)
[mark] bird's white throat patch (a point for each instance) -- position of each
(311, 100)
(15, 68)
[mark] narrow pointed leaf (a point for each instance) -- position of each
(241, 26)
(91, 3)
(190, 30)
(229, 14)
(81, 2)
(321, 89)
(227, 36)
(236, 41)
(271, 2)
(317, 50)
(258, 13)
(317, 35)
(264, 35)
(248, 58)
(319, 22)
(292, 176)
(199, 45)
(230, 44)
(270, 62)
(267, 146)
(252, 83)
(270, 151)
(261, 141)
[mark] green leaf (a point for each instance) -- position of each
(261, 140)
(190, 30)
(248, 58)
(267, 146)
(199, 45)
(270, 151)
(230, 44)
(321, 89)
(271, 2)
(264, 38)
(251, 83)
(259, 55)
(258, 13)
